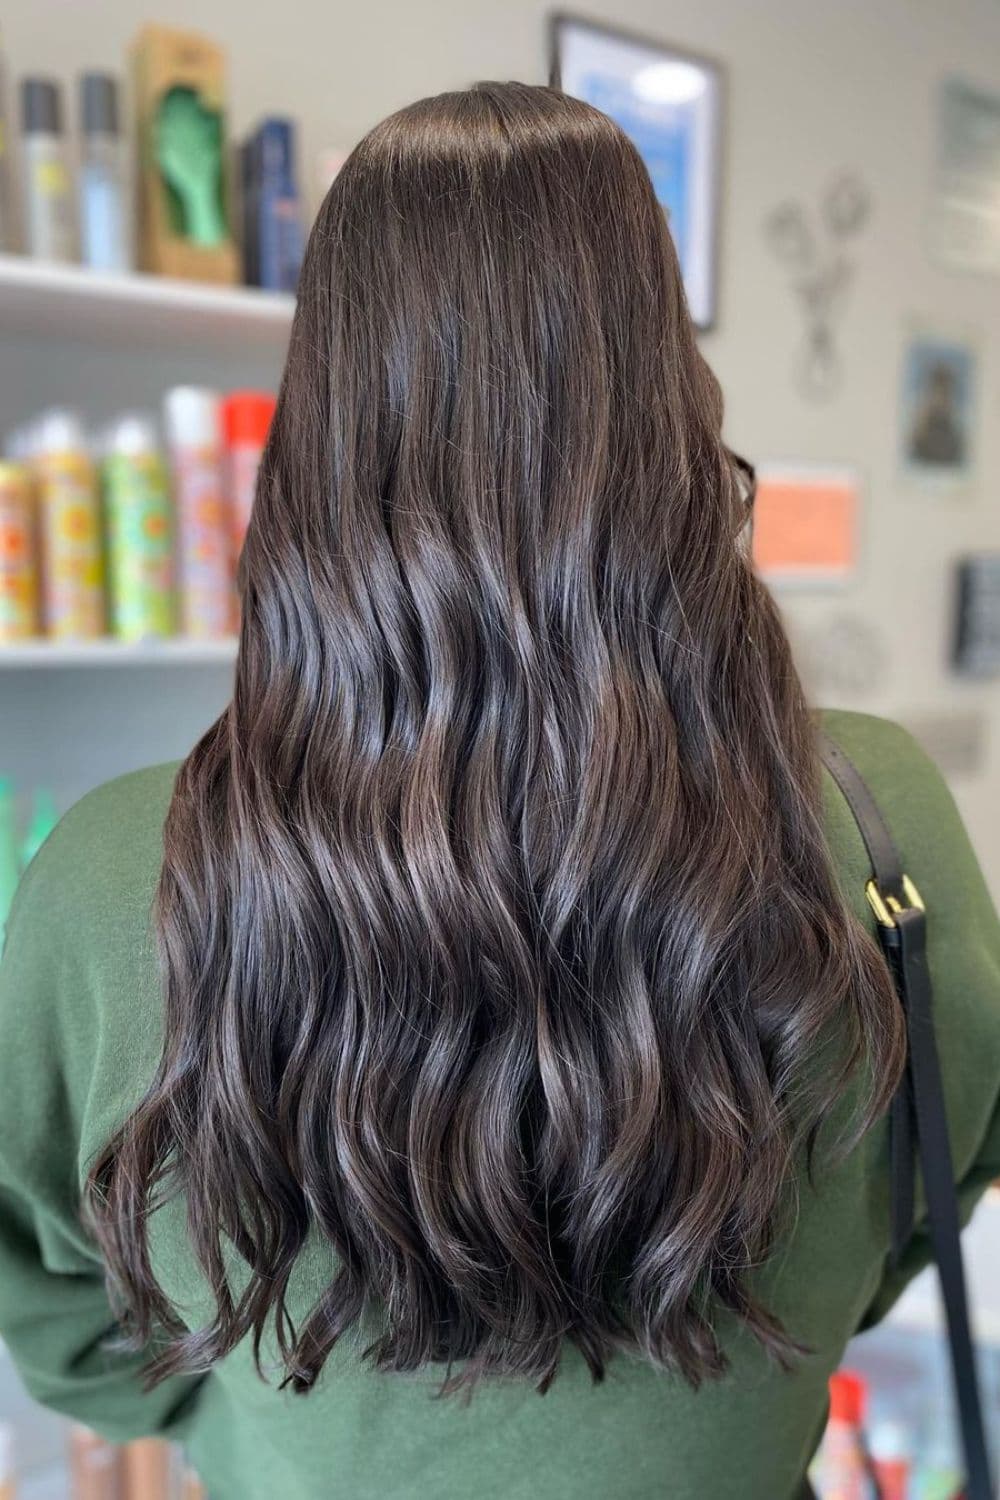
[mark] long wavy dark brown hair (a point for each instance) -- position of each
(500, 943)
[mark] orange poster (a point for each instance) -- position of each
(805, 524)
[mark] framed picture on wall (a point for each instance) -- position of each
(965, 225)
(938, 401)
(806, 522)
(670, 103)
(937, 411)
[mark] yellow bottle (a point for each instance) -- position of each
(69, 524)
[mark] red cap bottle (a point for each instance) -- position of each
(246, 418)
(848, 1398)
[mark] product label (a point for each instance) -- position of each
(140, 546)
(203, 544)
(18, 559)
(244, 463)
(52, 179)
(70, 524)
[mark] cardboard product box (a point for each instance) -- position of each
(185, 224)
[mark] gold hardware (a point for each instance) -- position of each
(884, 907)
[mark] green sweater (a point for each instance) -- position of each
(79, 1038)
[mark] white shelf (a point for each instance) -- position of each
(72, 303)
(112, 653)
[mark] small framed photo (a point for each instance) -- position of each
(965, 225)
(977, 629)
(670, 104)
(938, 412)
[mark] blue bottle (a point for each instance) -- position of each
(272, 208)
(105, 237)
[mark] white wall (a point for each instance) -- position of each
(815, 87)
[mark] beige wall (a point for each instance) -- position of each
(815, 87)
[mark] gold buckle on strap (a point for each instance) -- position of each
(884, 907)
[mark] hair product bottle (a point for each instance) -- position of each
(69, 523)
(10, 872)
(44, 817)
(938, 1474)
(191, 1486)
(8, 1478)
(49, 228)
(891, 1459)
(18, 555)
(843, 1471)
(203, 548)
(8, 237)
(246, 418)
(148, 1469)
(272, 211)
(96, 1471)
(139, 531)
(105, 241)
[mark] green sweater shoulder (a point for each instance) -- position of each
(80, 1036)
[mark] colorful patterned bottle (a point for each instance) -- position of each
(44, 817)
(843, 1470)
(246, 418)
(10, 872)
(202, 526)
(140, 532)
(889, 1446)
(69, 524)
(18, 555)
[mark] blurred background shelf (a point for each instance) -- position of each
(75, 714)
(71, 303)
(112, 653)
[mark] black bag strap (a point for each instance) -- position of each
(887, 873)
(902, 931)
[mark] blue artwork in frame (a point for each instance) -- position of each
(670, 104)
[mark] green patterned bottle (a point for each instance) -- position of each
(139, 531)
(9, 870)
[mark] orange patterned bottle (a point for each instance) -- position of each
(69, 525)
(18, 555)
(200, 517)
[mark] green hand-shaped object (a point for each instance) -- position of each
(189, 153)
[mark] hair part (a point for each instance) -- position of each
(499, 936)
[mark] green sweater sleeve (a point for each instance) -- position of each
(55, 1315)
